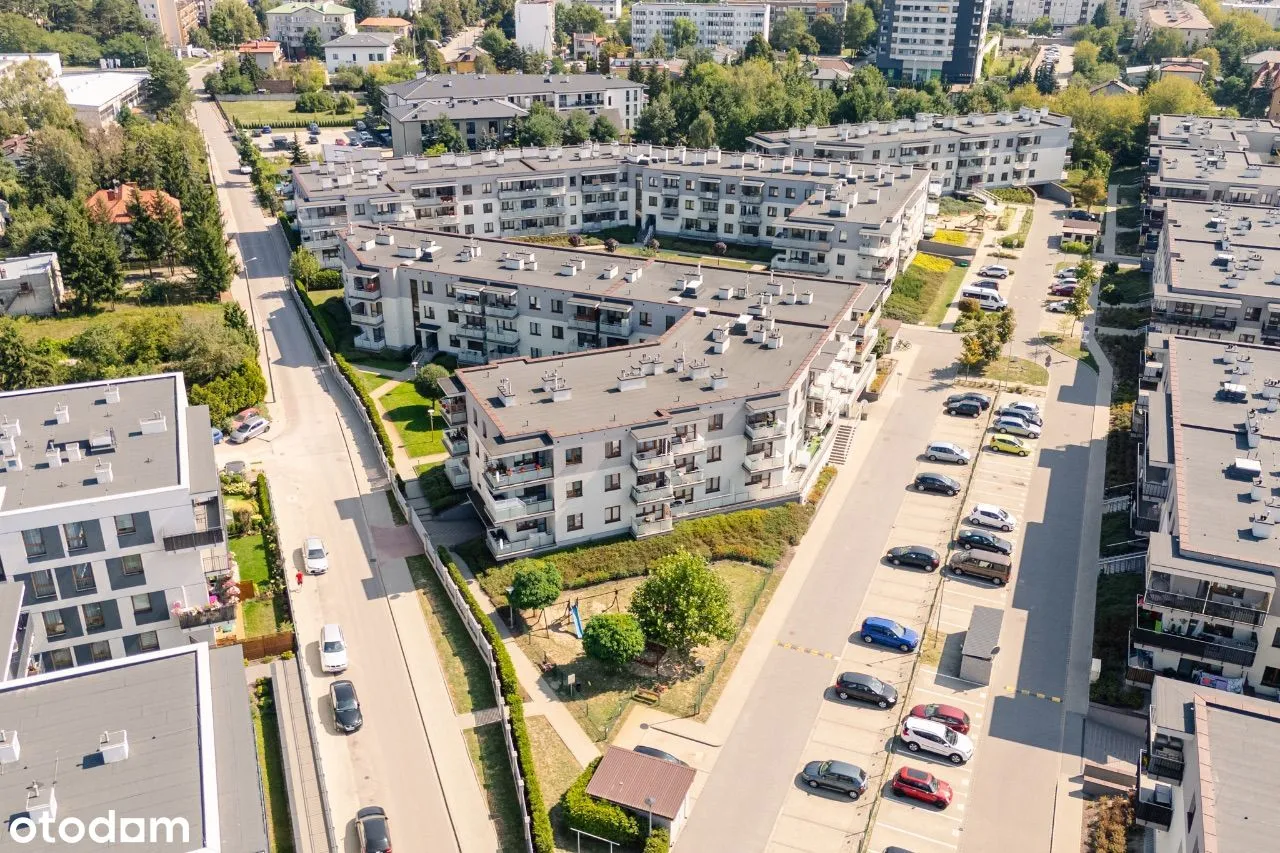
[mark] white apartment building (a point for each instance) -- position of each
(359, 49)
(824, 217)
(633, 393)
(933, 39)
(1022, 148)
(811, 8)
(1267, 10)
(399, 8)
(110, 520)
(175, 19)
(1183, 17)
(1063, 13)
(536, 25)
(31, 285)
(611, 9)
(288, 24)
(97, 97)
(721, 23)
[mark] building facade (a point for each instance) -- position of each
(110, 520)
(932, 40)
(31, 286)
(611, 9)
(97, 97)
(175, 19)
(1026, 147)
(1063, 13)
(1267, 10)
(265, 53)
(811, 8)
(536, 25)
(721, 23)
(1183, 17)
(289, 23)
(359, 49)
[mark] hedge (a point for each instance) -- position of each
(1074, 247)
(659, 841)
(271, 537)
(585, 812)
(290, 123)
(543, 837)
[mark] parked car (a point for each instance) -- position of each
(923, 786)
(266, 130)
(360, 125)
(1064, 288)
(848, 779)
(251, 427)
(931, 736)
(313, 128)
(346, 707)
(1061, 306)
(246, 169)
(313, 139)
(965, 408)
(1016, 426)
(995, 271)
(950, 716)
(1067, 272)
(1027, 410)
(654, 752)
(216, 435)
(914, 555)
(333, 648)
(983, 541)
(981, 399)
(1008, 444)
(374, 830)
(886, 632)
(314, 556)
(865, 688)
(945, 451)
(1083, 216)
(990, 515)
(931, 482)
(988, 565)
(987, 284)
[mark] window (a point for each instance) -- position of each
(645, 319)
(612, 514)
(76, 539)
(575, 521)
(716, 423)
(148, 641)
(131, 564)
(42, 584)
(141, 603)
(573, 456)
(535, 304)
(574, 489)
(100, 651)
(612, 449)
(94, 618)
(487, 207)
(535, 329)
(557, 332)
(53, 624)
(612, 482)
(61, 659)
(125, 525)
(557, 306)
(1191, 811)
(82, 577)
(535, 352)
(713, 453)
(34, 541)
(713, 485)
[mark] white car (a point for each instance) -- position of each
(945, 451)
(1024, 409)
(1069, 272)
(1059, 307)
(333, 648)
(246, 169)
(1016, 426)
(924, 735)
(250, 427)
(314, 556)
(990, 515)
(994, 271)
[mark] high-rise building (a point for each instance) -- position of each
(175, 19)
(932, 39)
(731, 24)
(1063, 13)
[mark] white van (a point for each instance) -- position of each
(990, 300)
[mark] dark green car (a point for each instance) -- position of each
(847, 779)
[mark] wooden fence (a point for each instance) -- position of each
(257, 648)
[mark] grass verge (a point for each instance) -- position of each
(397, 515)
(1019, 371)
(1125, 356)
(66, 325)
(437, 489)
(466, 674)
(921, 288)
(488, 751)
(412, 416)
(266, 737)
(258, 113)
(1113, 616)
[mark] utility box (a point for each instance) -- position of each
(981, 643)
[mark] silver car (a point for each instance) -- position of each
(945, 451)
(1011, 425)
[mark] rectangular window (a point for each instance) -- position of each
(573, 456)
(100, 651)
(557, 333)
(535, 329)
(535, 352)
(713, 453)
(76, 539)
(557, 306)
(125, 525)
(141, 603)
(1271, 677)
(94, 618)
(612, 449)
(535, 303)
(42, 584)
(82, 576)
(612, 514)
(713, 485)
(574, 489)
(645, 319)
(34, 542)
(575, 521)
(148, 641)
(716, 423)
(612, 482)
(53, 624)
(131, 564)
(61, 659)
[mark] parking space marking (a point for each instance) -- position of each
(807, 651)
(953, 698)
(937, 674)
(892, 828)
(1015, 691)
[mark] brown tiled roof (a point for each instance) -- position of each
(384, 22)
(117, 199)
(260, 46)
(627, 778)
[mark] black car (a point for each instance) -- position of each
(1083, 215)
(981, 399)
(984, 541)
(965, 408)
(865, 688)
(374, 830)
(915, 555)
(346, 707)
(848, 779)
(659, 754)
(931, 482)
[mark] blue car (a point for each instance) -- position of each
(886, 632)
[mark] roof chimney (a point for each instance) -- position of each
(52, 455)
(62, 413)
(102, 471)
(113, 746)
(506, 394)
(112, 393)
(73, 451)
(10, 749)
(152, 425)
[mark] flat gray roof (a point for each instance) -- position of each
(1252, 236)
(105, 432)
(502, 86)
(366, 39)
(17, 267)
(240, 805)
(1242, 169)
(925, 126)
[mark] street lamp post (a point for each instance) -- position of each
(649, 801)
(511, 619)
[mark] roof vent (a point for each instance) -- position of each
(103, 472)
(113, 746)
(632, 378)
(806, 298)
(699, 368)
(1263, 525)
(103, 440)
(152, 425)
(62, 414)
(556, 385)
(633, 274)
(773, 339)
(52, 455)
(10, 749)
(568, 268)
(719, 380)
(610, 271)
(41, 801)
(74, 454)
(649, 363)
(506, 394)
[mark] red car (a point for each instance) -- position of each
(1062, 289)
(951, 717)
(923, 786)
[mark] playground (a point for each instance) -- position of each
(596, 696)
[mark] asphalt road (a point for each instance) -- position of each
(322, 476)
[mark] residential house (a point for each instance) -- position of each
(31, 285)
(359, 49)
(265, 53)
(116, 201)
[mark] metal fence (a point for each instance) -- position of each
(1127, 564)
(1120, 504)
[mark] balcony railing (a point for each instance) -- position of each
(1164, 763)
(455, 414)
(470, 356)
(652, 460)
(1153, 805)
(645, 493)
(504, 478)
(505, 547)
(1190, 604)
(582, 323)
(1238, 652)
(762, 461)
(508, 509)
(648, 526)
(366, 319)
(766, 429)
(780, 262)
(688, 442)
(620, 327)
(455, 441)
(687, 476)
(457, 472)
(210, 616)
(474, 331)
(504, 310)
(199, 539)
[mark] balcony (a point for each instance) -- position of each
(529, 192)
(454, 413)
(455, 441)
(762, 461)
(363, 289)
(471, 356)
(457, 472)
(503, 547)
(687, 476)
(876, 251)
(1153, 804)
(783, 264)
(671, 190)
(616, 327)
(647, 493)
(509, 509)
(1237, 652)
(473, 331)
(500, 479)
(504, 310)
(690, 442)
(1164, 760)
(582, 323)
(642, 526)
(364, 319)
(766, 429)
(652, 460)
(818, 244)
(199, 539)
(206, 616)
(503, 336)
(749, 218)
(1208, 607)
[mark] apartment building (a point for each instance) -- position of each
(162, 743)
(31, 285)
(1022, 148)
(632, 393)
(491, 103)
(1197, 782)
(811, 8)
(1267, 10)
(1183, 17)
(611, 9)
(824, 217)
(289, 22)
(721, 23)
(174, 19)
(110, 520)
(1063, 13)
(932, 40)
(359, 49)
(536, 25)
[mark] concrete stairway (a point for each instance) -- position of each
(840, 446)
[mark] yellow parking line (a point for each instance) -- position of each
(804, 650)
(1031, 693)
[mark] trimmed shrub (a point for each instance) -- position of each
(314, 102)
(1074, 247)
(659, 841)
(614, 639)
(585, 812)
(327, 280)
(969, 306)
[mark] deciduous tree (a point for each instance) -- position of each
(535, 585)
(614, 639)
(683, 604)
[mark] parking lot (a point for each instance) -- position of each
(938, 606)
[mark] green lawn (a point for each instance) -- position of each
(922, 292)
(370, 382)
(1067, 345)
(67, 325)
(266, 736)
(488, 751)
(252, 558)
(949, 206)
(1113, 617)
(257, 113)
(378, 362)
(1126, 286)
(466, 673)
(410, 412)
(436, 487)
(946, 295)
(263, 617)
(1018, 371)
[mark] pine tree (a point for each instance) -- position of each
(297, 154)
(169, 233)
(206, 244)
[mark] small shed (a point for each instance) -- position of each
(1081, 231)
(646, 786)
(981, 643)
